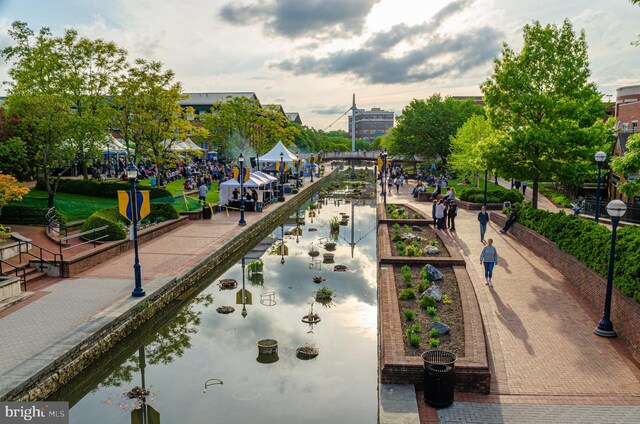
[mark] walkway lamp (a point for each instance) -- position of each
(600, 158)
(616, 210)
(298, 173)
(281, 197)
(311, 160)
(132, 173)
(384, 176)
(241, 161)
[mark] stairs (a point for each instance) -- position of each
(32, 275)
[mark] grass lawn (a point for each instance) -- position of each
(559, 199)
(77, 207)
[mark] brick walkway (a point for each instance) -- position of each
(542, 349)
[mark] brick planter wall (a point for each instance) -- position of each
(477, 206)
(625, 312)
(472, 370)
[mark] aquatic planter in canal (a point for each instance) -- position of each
(267, 351)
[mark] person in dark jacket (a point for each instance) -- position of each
(451, 216)
(483, 218)
(513, 216)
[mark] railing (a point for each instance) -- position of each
(17, 270)
(632, 215)
(54, 224)
(94, 240)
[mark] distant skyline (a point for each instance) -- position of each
(311, 56)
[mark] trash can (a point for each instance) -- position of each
(206, 212)
(439, 377)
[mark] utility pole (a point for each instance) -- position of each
(353, 132)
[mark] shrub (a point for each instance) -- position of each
(412, 251)
(101, 189)
(415, 328)
(27, 215)
(427, 302)
(409, 314)
(589, 243)
(423, 286)
(397, 237)
(110, 217)
(495, 194)
(436, 319)
(414, 339)
(407, 229)
(162, 210)
(407, 294)
(434, 342)
(431, 310)
(433, 333)
(445, 299)
(396, 226)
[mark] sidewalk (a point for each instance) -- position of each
(53, 321)
(542, 349)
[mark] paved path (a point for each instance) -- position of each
(542, 349)
(64, 313)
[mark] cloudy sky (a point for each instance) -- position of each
(311, 55)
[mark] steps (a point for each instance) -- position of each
(32, 275)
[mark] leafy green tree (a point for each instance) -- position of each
(15, 157)
(425, 127)
(629, 164)
(541, 99)
(472, 145)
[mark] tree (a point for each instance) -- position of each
(471, 147)
(10, 190)
(542, 101)
(629, 164)
(425, 127)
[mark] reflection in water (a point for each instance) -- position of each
(339, 385)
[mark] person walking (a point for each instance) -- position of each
(489, 257)
(524, 187)
(453, 212)
(397, 183)
(483, 218)
(202, 192)
(513, 216)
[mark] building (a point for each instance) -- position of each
(202, 102)
(294, 117)
(371, 124)
(628, 108)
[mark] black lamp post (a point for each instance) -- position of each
(132, 173)
(298, 173)
(282, 245)
(600, 158)
(311, 167)
(244, 293)
(241, 161)
(281, 197)
(318, 160)
(384, 176)
(486, 176)
(616, 210)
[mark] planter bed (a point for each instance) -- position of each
(427, 235)
(450, 314)
(413, 213)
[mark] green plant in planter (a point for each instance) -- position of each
(416, 215)
(334, 225)
(423, 286)
(434, 342)
(407, 229)
(396, 227)
(412, 251)
(437, 319)
(433, 242)
(446, 299)
(409, 315)
(414, 339)
(256, 265)
(5, 232)
(433, 333)
(407, 294)
(397, 237)
(427, 302)
(324, 294)
(415, 328)
(431, 310)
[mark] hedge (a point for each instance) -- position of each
(498, 194)
(117, 223)
(101, 189)
(590, 243)
(27, 215)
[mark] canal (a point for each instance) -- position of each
(203, 366)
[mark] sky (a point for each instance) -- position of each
(311, 56)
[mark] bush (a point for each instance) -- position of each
(589, 243)
(407, 294)
(427, 302)
(433, 333)
(101, 189)
(27, 215)
(431, 310)
(414, 339)
(423, 286)
(409, 314)
(434, 342)
(495, 194)
(110, 217)
(162, 210)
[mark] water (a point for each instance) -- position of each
(198, 344)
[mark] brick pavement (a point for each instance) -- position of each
(542, 348)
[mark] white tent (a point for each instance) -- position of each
(192, 146)
(267, 177)
(226, 190)
(112, 145)
(274, 154)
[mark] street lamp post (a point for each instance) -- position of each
(132, 173)
(282, 245)
(298, 173)
(311, 167)
(616, 210)
(318, 163)
(281, 197)
(241, 161)
(384, 176)
(486, 176)
(600, 158)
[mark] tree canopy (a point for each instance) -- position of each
(629, 164)
(542, 101)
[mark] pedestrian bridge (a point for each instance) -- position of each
(366, 156)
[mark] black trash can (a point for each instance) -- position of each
(206, 212)
(439, 377)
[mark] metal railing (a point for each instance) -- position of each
(19, 271)
(53, 223)
(632, 215)
(94, 240)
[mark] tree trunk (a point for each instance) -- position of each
(534, 202)
(85, 170)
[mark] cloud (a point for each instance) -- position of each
(309, 18)
(328, 110)
(427, 54)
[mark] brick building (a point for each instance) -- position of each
(371, 124)
(628, 108)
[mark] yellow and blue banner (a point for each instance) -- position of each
(143, 204)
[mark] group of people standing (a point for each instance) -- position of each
(444, 213)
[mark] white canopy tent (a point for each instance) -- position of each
(193, 146)
(274, 154)
(112, 145)
(268, 177)
(226, 190)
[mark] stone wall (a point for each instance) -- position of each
(625, 312)
(64, 369)
(477, 206)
